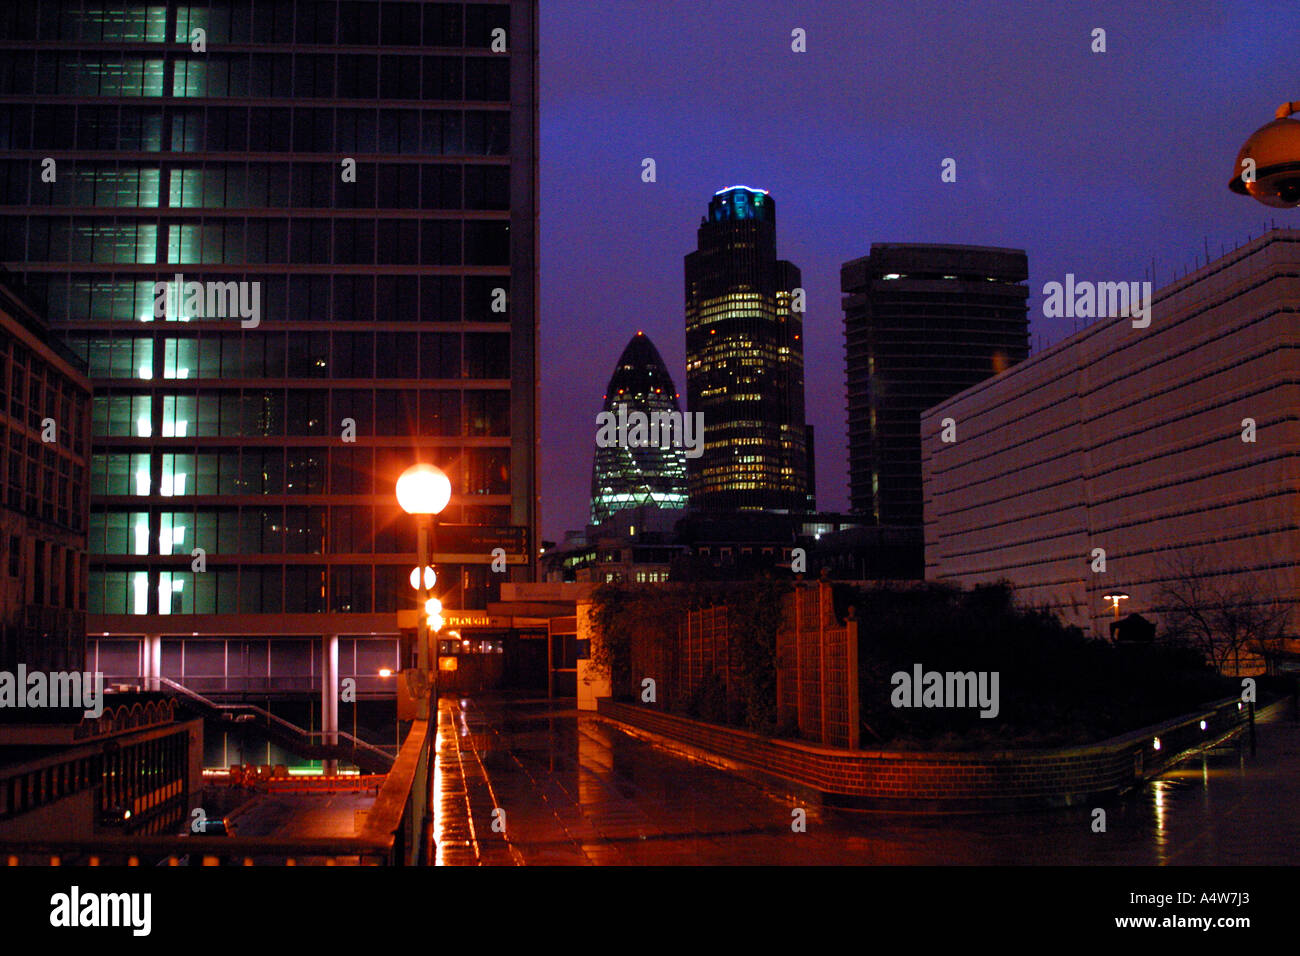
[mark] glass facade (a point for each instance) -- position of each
(626, 477)
(295, 261)
(744, 362)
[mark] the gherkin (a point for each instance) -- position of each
(623, 477)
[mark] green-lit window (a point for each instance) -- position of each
(178, 417)
(119, 532)
(186, 188)
(119, 475)
(120, 358)
(175, 592)
(184, 243)
(181, 359)
(116, 22)
(176, 532)
(122, 416)
(177, 475)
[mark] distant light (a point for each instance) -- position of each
(1155, 743)
(893, 275)
(433, 607)
(385, 672)
(1202, 725)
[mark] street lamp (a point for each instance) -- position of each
(1114, 598)
(1268, 165)
(424, 490)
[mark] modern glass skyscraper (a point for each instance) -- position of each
(921, 323)
(295, 242)
(744, 361)
(626, 477)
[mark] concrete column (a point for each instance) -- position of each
(329, 696)
(151, 664)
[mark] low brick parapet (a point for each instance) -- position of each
(943, 781)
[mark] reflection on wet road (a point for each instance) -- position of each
(564, 787)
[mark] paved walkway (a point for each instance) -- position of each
(570, 789)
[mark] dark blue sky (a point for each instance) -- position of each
(1092, 162)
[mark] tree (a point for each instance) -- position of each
(1222, 615)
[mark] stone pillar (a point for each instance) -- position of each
(329, 697)
(151, 665)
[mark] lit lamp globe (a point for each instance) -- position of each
(423, 490)
(1274, 149)
(430, 578)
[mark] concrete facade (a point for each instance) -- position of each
(1131, 440)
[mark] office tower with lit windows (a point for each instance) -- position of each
(744, 361)
(921, 323)
(629, 477)
(337, 201)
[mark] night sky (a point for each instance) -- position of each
(1092, 162)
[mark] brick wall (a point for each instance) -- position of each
(950, 781)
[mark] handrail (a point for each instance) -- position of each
(292, 727)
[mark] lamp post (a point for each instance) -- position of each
(1114, 598)
(424, 490)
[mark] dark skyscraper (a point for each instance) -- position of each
(744, 361)
(341, 199)
(921, 323)
(625, 477)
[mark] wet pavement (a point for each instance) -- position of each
(536, 782)
(304, 816)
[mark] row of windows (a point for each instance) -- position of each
(293, 589)
(47, 575)
(220, 186)
(298, 298)
(337, 355)
(348, 22)
(249, 531)
(258, 75)
(36, 391)
(445, 242)
(256, 413)
(43, 479)
(348, 132)
(295, 471)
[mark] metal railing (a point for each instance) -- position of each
(395, 832)
(379, 756)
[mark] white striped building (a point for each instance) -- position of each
(1131, 440)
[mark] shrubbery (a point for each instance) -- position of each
(1056, 687)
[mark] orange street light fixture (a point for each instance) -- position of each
(1268, 165)
(423, 490)
(1114, 600)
